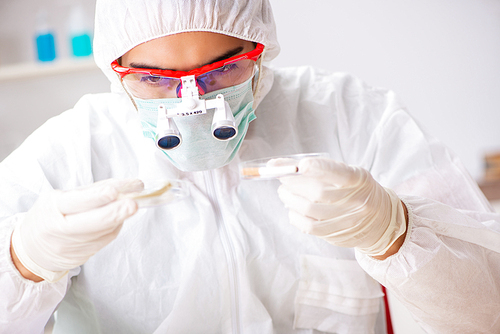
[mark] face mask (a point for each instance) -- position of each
(199, 149)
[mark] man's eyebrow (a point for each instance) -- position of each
(143, 65)
(226, 55)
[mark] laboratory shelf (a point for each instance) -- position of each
(23, 71)
(491, 189)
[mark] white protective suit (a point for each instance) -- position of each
(225, 259)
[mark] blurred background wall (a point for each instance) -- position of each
(442, 57)
(31, 92)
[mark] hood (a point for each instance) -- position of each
(120, 25)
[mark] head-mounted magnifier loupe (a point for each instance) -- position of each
(147, 83)
(223, 128)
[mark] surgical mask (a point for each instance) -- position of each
(199, 149)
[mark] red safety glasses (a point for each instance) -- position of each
(156, 84)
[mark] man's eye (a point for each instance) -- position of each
(228, 67)
(151, 79)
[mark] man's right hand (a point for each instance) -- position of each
(64, 229)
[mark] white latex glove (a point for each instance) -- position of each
(64, 229)
(343, 205)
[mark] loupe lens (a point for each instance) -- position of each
(224, 133)
(169, 142)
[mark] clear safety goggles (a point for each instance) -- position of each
(146, 83)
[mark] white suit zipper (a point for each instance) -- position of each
(228, 250)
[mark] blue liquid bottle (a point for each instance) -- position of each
(44, 39)
(46, 47)
(81, 44)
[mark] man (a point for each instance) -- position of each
(225, 259)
